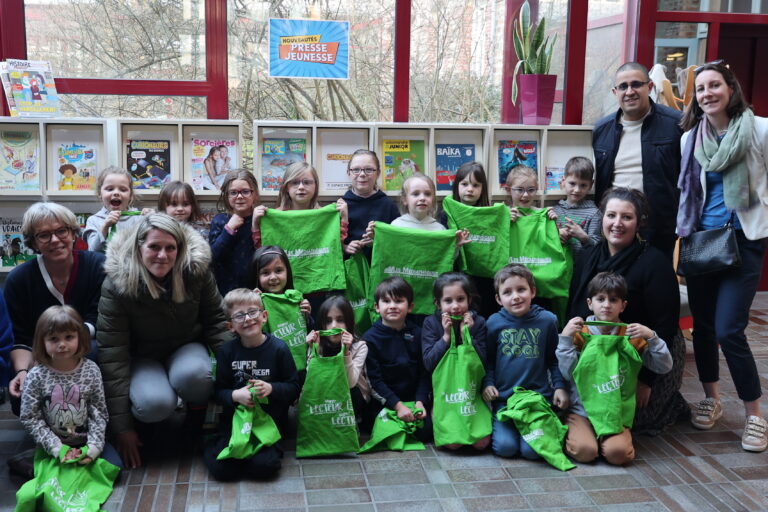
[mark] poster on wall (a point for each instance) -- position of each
(308, 49)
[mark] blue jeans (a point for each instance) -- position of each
(506, 441)
(720, 305)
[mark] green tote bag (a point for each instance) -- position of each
(326, 419)
(606, 377)
(66, 486)
(534, 241)
(488, 226)
(392, 433)
(416, 255)
(460, 416)
(252, 429)
(538, 425)
(286, 321)
(312, 240)
(357, 272)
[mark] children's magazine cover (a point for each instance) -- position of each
(149, 162)
(402, 158)
(516, 152)
(336, 149)
(554, 177)
(276, 156)
(448, 159)
(19, 154)
(78, 166)
(13, 251)
(29, 88)
(211, 159)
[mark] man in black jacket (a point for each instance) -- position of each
(639, 147)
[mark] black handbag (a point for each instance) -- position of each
(708, 251)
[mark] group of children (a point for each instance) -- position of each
(391, 363)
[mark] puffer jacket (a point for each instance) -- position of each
(144, 327)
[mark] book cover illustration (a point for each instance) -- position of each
(402, 158)
(553, 178)
(276, 156)
(149, 162)
(19, 162)
(516, 152)
(448, 159)
(336, 149)
(29, 88)
(211, 159)
(13, 250)
(78, 166)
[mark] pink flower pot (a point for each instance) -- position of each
(537, 94)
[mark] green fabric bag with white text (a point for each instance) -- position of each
(538, 425)
(488, 228)
(286, 321)
(252, 429)
(326, 418)
(66, 486)
(606, 377)
(392, 433)
(358, 273)
(312, 241)
(460, 415)
(416, 255)
(534, 241)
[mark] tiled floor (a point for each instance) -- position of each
(681, 470)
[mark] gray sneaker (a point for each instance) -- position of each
(706, 413)
(755, 438)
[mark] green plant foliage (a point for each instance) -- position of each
(534, 51)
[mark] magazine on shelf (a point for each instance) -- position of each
(30, 90)
(19, 160)
(149, 162)
(448, 159)
(553, 178)
(336, 149)
(77, 166)
(402, 158)
(211, 159)
(516, 152)
(276, 155)
(13, 250)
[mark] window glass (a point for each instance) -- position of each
(734, 6)
(678, 46)
(163, 40)
(148, 107)
(556, 14)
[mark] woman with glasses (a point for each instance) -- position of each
(724, 178)
(365, 202)
(59, 275)
(159, 313)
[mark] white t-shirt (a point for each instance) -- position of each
(628, 166)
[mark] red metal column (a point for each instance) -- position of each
(402, 76)
(510, 113)
(576, 53)
(13, 37)
(713, 41)
(216, 48)
(646, 33)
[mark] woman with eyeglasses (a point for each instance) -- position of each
(724, 178)
(234, 233)
(60, 275)
(365, 202)
(159, 314)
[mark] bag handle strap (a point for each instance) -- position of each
(602, 323)
(466, 337)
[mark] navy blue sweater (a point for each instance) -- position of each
(433, 347)
(232, 254)
(395, 368)
(362, 210)
(521, 352)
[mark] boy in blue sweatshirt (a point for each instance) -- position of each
(521, 343)
(395, 366)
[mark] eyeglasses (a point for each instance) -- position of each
(46, 236)
(634, 84)
(239, 318)
(519, 190)
(306, 182)
(246, 192)
(712, 64)
(367, 170)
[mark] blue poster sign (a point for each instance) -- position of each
(309, 49)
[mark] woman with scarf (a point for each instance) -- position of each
(724, 178)
(654, 300)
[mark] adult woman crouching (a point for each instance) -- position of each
(159, 309)
(724, 177)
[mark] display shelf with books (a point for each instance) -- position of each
(561, 143)
(276, 146)
(75, 153)
(20, 157)
(455, 145)
(151, 152)
(403, 149)
(334, 145)
(209, 150)
(511, 146)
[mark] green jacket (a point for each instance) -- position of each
(144, 327)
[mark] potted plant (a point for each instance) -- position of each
(534, 54)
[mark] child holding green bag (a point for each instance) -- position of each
(607, 294)
(253, 360)
(522, 187)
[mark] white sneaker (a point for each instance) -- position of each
(755, 438)
(706, 413)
